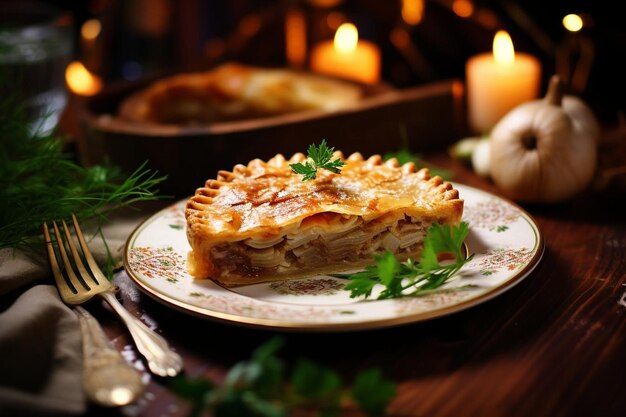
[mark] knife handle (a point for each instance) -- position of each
(108, 379)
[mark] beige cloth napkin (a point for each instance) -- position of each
(40, 343)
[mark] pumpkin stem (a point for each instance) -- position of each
(555, 91)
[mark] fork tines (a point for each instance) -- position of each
(71, 279)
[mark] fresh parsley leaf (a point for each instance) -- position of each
(373, 392)
(387, 267)
(312, 381)
(268, 350)
(256, 388)
(362, 283)
(237, 403)
(308, 170)
(318, 157)
(442, 239)
(264, 373)
(251, 387)
(194, 390)
(410, 278)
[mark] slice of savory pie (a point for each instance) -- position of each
(261, 222)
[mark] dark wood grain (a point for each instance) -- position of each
(554, 345)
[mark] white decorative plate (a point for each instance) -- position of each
(505, 240)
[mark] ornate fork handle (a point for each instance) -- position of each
(108, 379)
(161, 359)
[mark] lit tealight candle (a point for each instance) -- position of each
(498, 82)
(347, 57)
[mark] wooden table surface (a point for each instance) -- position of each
(553, 345)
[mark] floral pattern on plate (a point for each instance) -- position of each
(510, 259)
(493, 214)
(505, 241)
(158, 263)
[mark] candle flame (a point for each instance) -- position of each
(573, 22)
(81, 81)
(503, 51)
(346, 38)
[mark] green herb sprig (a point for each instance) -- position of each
(318, 157)
(421, 277)
(259, 387)
(40, 182)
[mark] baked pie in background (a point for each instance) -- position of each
(235, 92)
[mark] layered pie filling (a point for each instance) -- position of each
(348, 242)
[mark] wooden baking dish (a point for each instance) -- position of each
(430, 114)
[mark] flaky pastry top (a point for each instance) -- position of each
(262, 198)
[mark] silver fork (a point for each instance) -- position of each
(76, 290)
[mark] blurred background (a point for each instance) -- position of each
(420, 41)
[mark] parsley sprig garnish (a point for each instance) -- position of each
(318, 157)
(262, 387)
(412, 278)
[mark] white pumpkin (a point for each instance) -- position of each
(545, 150)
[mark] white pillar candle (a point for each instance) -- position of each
(499, 81)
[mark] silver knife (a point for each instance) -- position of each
(108, 379)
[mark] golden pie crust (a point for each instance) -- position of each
(261, 222)
(235, 92)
